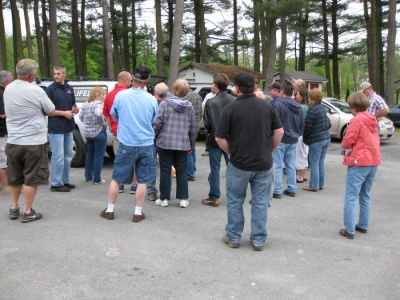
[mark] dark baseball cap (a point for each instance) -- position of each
(275, 86)
(141, 73)
(244, 80)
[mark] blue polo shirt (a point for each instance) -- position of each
(63, 98)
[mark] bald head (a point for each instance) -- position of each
(124, 78)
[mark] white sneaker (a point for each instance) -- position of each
(184, 203)
(163, 203)
(99, 182)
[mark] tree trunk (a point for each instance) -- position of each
(134, 62)
(28, 29)
(390, 53)
(55, 55)
(17, 36)
(282, 51)
(256, 45)
(263, 37)
(235, 34)
(107, 41)
(372, 42)
(114, 30)
(176, 43)
(45, 39)
(160, 42)
(271, 49)
(303, 19)
(203, 36)
(43, 70)
(83, 62)
(326, 49)
(335, 51)
(76, 41)
(3, 48)
(381, 56)
(125, 36)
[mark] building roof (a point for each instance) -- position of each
(231, 71)
(306, 76)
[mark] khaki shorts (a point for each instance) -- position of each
(3, 156)
(115, 144)
(27, 165)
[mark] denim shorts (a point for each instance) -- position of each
(127, 158)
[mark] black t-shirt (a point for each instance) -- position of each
(3, 126)
(248, 125)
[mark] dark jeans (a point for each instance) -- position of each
(96, 147)
(178, 159)
(214, 155)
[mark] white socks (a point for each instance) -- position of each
(138, 210)
(110, 208)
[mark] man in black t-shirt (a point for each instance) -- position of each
(244, 133)
(5, 79)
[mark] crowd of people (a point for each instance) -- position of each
(259, 139)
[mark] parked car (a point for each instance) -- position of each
(340, 115)
(394, 114)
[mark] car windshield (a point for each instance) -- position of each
(343, 106)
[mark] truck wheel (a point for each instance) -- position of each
(79, 148)
(110, 152)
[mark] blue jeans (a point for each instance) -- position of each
(317, 152)
(191, 164)
(285, 153)
(358, 187)
(61, 156)
(178, 159)
(236, 186)
(151, 185)
(214, 157)
(95, 149)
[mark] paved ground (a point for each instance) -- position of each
(177, 253)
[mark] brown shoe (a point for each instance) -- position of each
(138, 218)
(107, 215)
(344, 233)
(210, 202)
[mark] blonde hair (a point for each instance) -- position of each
(315, 94)
(180, 88)
(358, 101)
(95, 93)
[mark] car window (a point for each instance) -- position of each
(344, 107)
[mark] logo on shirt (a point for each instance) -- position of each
(69, 92)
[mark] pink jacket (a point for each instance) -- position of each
(362, 137)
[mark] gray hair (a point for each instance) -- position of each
(61, 68)
(4, 76)
(161, 89)
(26, 67)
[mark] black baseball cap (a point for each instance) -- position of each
(275, 86)
(244, 80)
(141, 73)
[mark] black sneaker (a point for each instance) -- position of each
(291, 194)
(14, 213)
(32, 216)
(61, 188)
(276, 196)
(70, 186)
(257, 248)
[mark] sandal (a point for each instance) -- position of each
(299, 181)
(307, 188)
(344, 233)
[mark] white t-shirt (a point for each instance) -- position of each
(206, 98)
(25, 105)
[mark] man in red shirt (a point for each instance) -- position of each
(124, 82)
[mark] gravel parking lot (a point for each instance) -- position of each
(177, 253)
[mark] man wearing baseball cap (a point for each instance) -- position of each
(275, 92)
(135, 110)
(244, 133)
(378, 107)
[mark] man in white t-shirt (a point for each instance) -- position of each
(26, 106)
(214, 92)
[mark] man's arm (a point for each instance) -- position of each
(224, 145)
(60, 113)
(382, 113)
(277, 137)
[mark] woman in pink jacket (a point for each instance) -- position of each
(362, 142)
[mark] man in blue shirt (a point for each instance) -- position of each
(274, 91)
(60, 131)
(135, 110)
